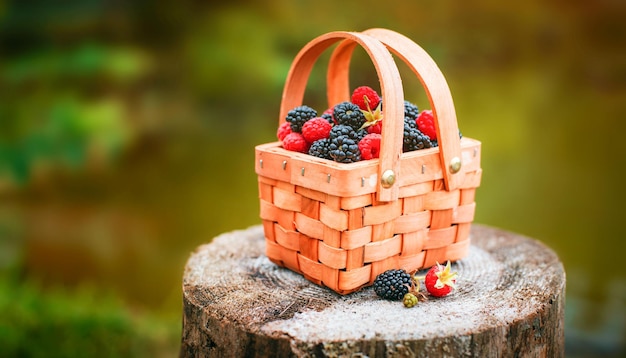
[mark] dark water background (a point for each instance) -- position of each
(127, 137)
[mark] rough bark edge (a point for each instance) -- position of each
(211, 337)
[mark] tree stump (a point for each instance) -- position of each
(509, 302)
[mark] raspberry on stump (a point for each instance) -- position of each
(440, 280)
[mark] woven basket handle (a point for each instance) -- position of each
(432, 80)
(391, 89)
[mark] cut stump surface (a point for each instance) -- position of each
(509, 302)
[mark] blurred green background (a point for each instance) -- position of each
(127, 134)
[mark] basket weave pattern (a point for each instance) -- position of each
(334, 223)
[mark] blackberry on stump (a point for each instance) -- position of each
(392, 284)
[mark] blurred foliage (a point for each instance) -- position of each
(67, 133)
(78, 323)
(127, 133)
(60, 108)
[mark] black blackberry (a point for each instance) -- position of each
(412, 138)
(342, 129)
(435, 143)
(392, 284)
(349, 114)
(328, 117)
(298, 116)
(361, 133)
(319, 149)
(410, 122)
(344, 149)
(410, 110)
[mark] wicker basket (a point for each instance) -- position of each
(340, 225)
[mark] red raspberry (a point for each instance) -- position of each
(439, 280)
(283, 130)
(366, 98)
(316, 129)
(376, 128)
(426, 123)
(295, 142)
(370, 146)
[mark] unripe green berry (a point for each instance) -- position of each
(409, 300)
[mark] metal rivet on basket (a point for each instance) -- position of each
(388, 178)
(261, 163)
(302, 171)
(328, 178)
(423, 168)
(284, 164)
(455, 165)
(362, 182)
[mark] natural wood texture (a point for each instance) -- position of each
(509, 303)
(335, 223)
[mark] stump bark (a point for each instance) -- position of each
(509, 303)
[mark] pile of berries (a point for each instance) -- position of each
(398, 285)
(351, 131)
